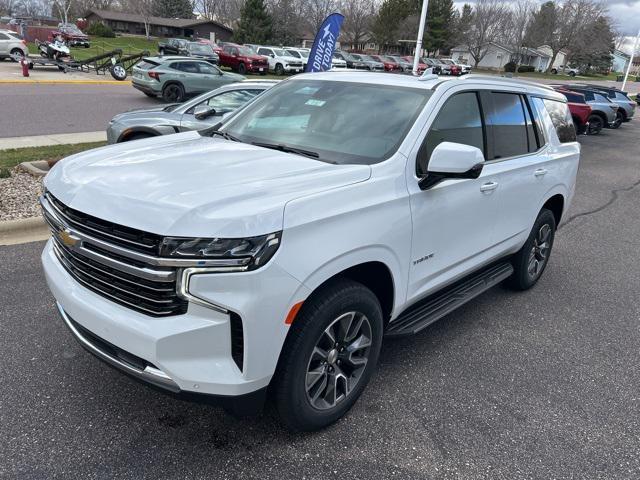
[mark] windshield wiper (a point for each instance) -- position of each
(288, 149)
(225, 135)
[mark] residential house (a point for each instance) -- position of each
(620, 61)
(132, 23)
(497, 56)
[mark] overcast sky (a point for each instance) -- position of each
(625, 13)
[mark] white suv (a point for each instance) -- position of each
(280, 61)
(278, 249)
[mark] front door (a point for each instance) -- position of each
(453, 221)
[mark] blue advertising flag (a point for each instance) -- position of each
(325, 44)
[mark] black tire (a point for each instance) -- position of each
(16, 52)
(572, 74)
(118, 72)
(326, 309)
(242, 69)
(554, 71)
(137, 136)
(173, 93)
(529, 263)
(596, 124)
(150, 95)
(619, 120)
(279, 69)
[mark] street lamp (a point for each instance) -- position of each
(423, 18)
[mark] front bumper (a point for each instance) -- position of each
(293, 69)
(191, 352)
(257, 68)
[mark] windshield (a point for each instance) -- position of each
(200, 48)
(279, 52)
(390, 59)
(246, 51)
(356, 57)
(304, 53)
(293, 53)
(311, 115)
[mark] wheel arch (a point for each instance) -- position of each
(124, 136)
(555, 203)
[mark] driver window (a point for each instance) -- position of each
(208, 69)
(229, 101)
(458, 121)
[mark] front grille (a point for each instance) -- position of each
(153, 298)
(126, 237)
(101, 261)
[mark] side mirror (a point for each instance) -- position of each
(202, 112)
(272, 55)
(452, 161)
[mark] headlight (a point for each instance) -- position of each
(250, 252)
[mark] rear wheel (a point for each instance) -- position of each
(529, 263)
(619, 120)
(554, 71)
(572, 74)
(173, 93)
(329, 355)
(595, 125)
(17, 54)
(151, 95)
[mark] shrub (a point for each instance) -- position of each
(510, 67)
(99, 29)
(5, 173)
(526, 68)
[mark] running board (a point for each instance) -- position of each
(436, 306)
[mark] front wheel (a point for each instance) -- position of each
(279, 70)
(554, 71)
(242, 69)
(329, 355)
(529, 263)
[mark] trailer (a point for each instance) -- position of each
(113, 62)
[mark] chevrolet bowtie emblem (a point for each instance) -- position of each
(67, 238)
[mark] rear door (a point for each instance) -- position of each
(4, 43)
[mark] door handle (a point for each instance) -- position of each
(489, 186)
(540, 172)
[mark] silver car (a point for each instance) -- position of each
(198, 113)
(11, 45)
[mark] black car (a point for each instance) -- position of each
(202, 51)
(351, 62)
(173, 46)
(434, 64)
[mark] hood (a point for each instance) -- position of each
(188, 185)
(254, 57)
(141, 113)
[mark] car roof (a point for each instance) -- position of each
(171, 58)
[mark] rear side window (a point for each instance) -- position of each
(146, 65)
(4, 36)
(459, 121)
(508, 125)
(561, 118)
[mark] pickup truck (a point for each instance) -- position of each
(274, 253)
(242, 59)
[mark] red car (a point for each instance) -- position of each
(421, 66)
(242, 59)
(71, 34)
(580, 112)
(389, 66)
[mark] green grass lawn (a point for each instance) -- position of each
(11, 158)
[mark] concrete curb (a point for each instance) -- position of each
(63, 82)
(10, 143)
(39, 168)
(23, 230)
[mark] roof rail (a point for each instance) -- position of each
(510, 80)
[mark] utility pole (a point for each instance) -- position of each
(423, 18)
(626, 75)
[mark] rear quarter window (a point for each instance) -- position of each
(561, 119)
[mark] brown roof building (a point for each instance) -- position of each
(160, 27)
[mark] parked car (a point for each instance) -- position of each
(200, 112)
(604, 112)
(422, 66)
(617, 96)
(302, 54)
(389, 66)
(242, 59)
(274, 252)
(369, 62)
(464, 68)
(404, 65)
(350, 60)
(572, 72)
(12, 45)
(434, 64)
(280, 62)
(176, 78)
(71, 34)
(449, 67)
(173, 46)
(581, 113)
(202, 51)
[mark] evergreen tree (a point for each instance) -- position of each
(255, 24)
(386, 24)
(439, 31)
(173, 8)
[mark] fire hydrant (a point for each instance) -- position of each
(25, 67)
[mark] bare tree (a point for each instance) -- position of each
(357, 19)
(81, 7)
(144, 8)
(224, 11)
(62, 7)
(317, 11)
(516, 24)
(486, 25)
(7, 7)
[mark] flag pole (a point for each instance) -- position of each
(635, 47)
(423, 18)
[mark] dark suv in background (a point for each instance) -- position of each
(173, 46)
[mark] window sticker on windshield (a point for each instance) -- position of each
(307, 90)
(315, 103)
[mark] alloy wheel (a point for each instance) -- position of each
(539, 251)
(338, 360)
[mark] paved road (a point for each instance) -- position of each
(43, 109)
(542, 384)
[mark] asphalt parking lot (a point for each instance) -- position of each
(542, 384)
